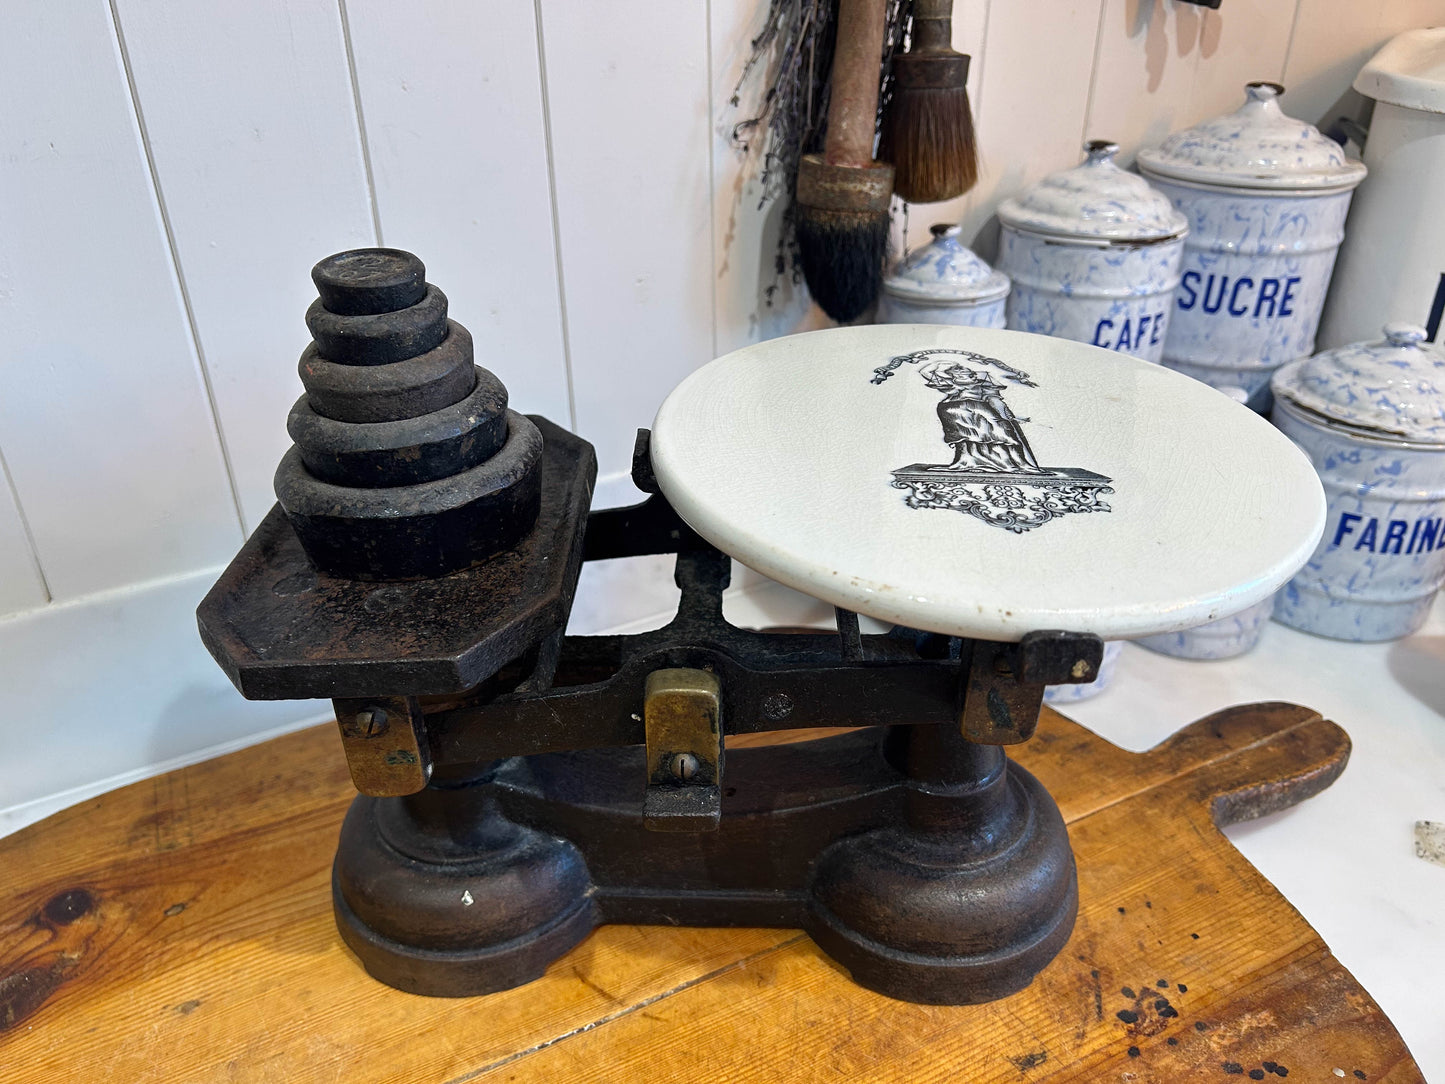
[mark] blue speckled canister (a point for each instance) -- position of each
(1266, 197)
(1371, 416)
(1094, 255)
(944, 282)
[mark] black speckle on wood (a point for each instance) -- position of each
(185, 1008)
(174, 909)
(1269, 1066)
(1182, 988)
(1163, 984)
(1256, 1074)
(1168, 1012)
(1121, 910)
(1028, 1061)
(1194, 936)
(1161, 1003)
(1127, 991)
(1360, 1073)
(1129, 1016)
(1200, 1025)
(1133, 1051)
(1280, 1070)
(1233, 1068)
(1172, 1041)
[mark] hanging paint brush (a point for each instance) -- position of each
(928, 127)
(842, 195)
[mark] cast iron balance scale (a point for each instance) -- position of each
(1002, 502)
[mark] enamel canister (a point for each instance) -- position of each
(1225, 638)
(1266, 197)
(1392, 264)
(1371, 417)
(944, 282)
(1094, 255)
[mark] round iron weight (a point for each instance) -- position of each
(380, 338)
(387, 393)
(407, 451)
(366, 281)
(421, 531)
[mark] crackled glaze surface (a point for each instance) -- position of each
(1223, 639)
(1381, 558)
(944, 282)
(986, 483)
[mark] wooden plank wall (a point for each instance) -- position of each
(169, 172)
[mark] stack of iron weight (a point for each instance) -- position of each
(407, 462)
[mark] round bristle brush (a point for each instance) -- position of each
(928, 127)
(842, 195)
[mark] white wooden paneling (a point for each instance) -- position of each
(1143, 73)
(627, 91)
(251, 123)
(1032, 100)
(1164, 64)
(452, 101)
(1333, 39)
(108, 432)
(115, 687)
(1242, 42)
(21, 585)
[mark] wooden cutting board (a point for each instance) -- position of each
(180, 930)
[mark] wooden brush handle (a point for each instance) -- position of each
(932, 27)
(853, 100)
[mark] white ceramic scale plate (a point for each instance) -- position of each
(988, 484)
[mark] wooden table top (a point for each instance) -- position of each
(181, 929)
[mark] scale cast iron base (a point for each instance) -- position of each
(933, 869)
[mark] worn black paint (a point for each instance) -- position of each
(1128, 991)
(1256, 1074)
(1233, 1068)
(1129, 1016)
(1029, 1061)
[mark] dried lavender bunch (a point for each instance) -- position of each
(795, 50)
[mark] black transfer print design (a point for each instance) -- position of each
(994, 475)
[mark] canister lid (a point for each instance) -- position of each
(1095, 201)
(1394, 388)
(1257, 146)
(1409, 71)
(946, 271)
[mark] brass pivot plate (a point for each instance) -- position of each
(682, 715)
(385, 744)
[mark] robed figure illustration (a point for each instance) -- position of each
(994, 475)
(984, 433)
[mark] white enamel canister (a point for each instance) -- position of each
(1392, 264)
(944, 282)
(1266, 197)
(1094, 255)
(1371, 417)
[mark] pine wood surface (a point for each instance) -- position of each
(180, 929)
